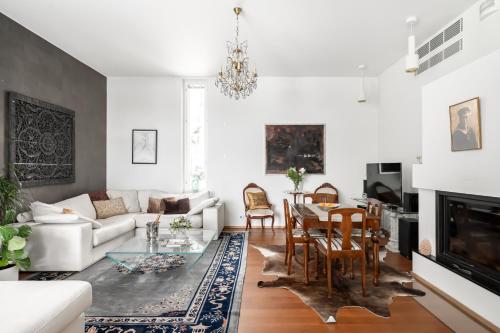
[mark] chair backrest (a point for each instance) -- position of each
(328, 188)
(320, 197)
(288, 219)
(346, 225)
(252, 188)
(374, 207)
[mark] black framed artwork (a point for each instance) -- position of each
(144, 146)
(41, 141)
(300, 146)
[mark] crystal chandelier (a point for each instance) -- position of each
(235, 79)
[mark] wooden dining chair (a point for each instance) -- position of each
(297, 237)
(260, 212)
(334, 246)
(320, 197)
(327, 188)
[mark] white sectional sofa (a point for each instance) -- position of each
(77, 245)
(44, 306)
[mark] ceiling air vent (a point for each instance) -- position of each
(440, 47)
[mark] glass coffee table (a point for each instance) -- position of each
(165, 253)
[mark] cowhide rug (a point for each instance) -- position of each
(347, 292)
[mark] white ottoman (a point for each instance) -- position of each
(44, 306)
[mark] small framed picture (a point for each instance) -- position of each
(144, 146)
(465, 125)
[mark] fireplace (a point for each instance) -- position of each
(468, 237)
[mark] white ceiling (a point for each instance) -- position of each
(187, 37)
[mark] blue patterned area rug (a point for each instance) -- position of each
(167, 294)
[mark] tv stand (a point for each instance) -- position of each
(390, 222)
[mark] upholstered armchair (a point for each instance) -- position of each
(257, 206)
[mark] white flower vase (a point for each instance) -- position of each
(9, 274)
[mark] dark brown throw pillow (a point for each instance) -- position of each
(173, 206)
(98, 196)
(156, 206)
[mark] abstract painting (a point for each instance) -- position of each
(144, 146)
(465, 125)
(300, 146)
(41, 141)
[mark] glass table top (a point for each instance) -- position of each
(195, 243)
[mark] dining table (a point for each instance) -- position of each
(311, 216)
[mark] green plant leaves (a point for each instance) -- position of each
(23, 264)
(7, 233)
(24, 231)
(16, 243)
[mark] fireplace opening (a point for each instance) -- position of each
(468, 237)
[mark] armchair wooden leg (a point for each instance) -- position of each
(262, 223)
(329, 278)
(291, 245)
(272, 222)
(363, 275)
(249, 224)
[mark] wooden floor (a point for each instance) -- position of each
(279, 310)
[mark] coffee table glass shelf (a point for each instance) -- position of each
(191, 247)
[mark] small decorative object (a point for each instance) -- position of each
(419, 159)
(179, 226)
(236, 79)
(296, 176)
(144, 146)
(152, 229)
(425, 247)
(41, 141)
(13, 254)
(465, 125)
(301, 146)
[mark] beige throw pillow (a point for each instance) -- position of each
(109, 208)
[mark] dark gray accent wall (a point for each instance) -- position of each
(32, 66)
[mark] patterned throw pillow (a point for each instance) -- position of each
(257, 200)
(108, 208)
(156, 206)
(173, 206)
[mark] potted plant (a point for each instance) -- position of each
(296, 176)
(13, 254)
(179, 226)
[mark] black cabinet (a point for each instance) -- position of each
(408, 236)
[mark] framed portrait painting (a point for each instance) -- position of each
(144, 146)
(465, 125)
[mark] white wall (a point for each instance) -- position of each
(473, 172)
(144, 103)
(235, 134)
(400, 93)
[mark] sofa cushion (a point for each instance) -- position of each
(165, 220)
(196, 198)
(109, 208)
(80, 204)
(51, 305)
(113, 227)
(144, 195)
(129, 198)
(198, 209)
(98, 196)
(176, 206)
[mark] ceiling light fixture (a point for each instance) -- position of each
(362, 94)
(412, 56)
(235, 79)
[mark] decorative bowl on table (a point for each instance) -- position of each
(328, 205)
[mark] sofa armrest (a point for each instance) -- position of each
(213, 219)
(59, 247)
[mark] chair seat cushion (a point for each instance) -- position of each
(313, 233)
(260, 212)
(337, 244)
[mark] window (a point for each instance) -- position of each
(195, 173)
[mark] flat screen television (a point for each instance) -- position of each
(384, 182)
